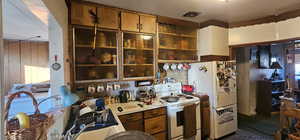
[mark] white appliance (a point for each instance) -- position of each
(217, 79)
(175, 110)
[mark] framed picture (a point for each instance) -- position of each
(264, 54)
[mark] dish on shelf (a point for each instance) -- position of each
(173, 67)
(166, 67)
(180, 67)
(106, 58)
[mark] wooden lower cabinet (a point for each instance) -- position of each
(153, 122)
(160, 136)
(135, 125)
(155, 125)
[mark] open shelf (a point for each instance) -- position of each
(138, 64)
(177, 61)
(178, 35)
(146, 49)
(177, 49)
(96, 65)
(89, 46)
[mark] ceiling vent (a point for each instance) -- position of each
(191, 14)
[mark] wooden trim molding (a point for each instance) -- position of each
(168, 20)
(263, 43)
(207, 58)
(267, 19)
(214, 23)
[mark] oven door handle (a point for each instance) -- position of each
(176, 108)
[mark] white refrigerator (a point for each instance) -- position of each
(217, 79)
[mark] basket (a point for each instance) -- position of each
(40, 123)
(294, 137)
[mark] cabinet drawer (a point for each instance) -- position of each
(155, 125)
(160, 136)
(131, 117)
(154, 112)
(135, 125)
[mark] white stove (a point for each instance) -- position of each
(170, 94)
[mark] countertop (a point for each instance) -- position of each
(103, 133)
(130, 107)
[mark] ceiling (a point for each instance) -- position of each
(231, 11)
(21, 24)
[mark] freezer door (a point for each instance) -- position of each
(225, 121)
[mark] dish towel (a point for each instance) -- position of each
(189, 128)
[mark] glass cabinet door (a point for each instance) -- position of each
(138, 55)
(95, 62)
(177, 44)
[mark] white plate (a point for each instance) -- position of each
(166, 66)
(173, 67)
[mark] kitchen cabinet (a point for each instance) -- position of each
(99, 63)
(108, 17)
(133, 121)
(130, 22)
(138, 23)
(177, 44)
(213, 40)
(155, 125)
(147, 24)
(138, 56)
(80, 14)
(152, 121)
(160, 136)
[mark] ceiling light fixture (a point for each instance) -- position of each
(191, 14)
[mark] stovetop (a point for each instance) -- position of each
(181, 99)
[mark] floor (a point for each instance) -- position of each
(255, 128)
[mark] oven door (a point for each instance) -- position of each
(175, 121)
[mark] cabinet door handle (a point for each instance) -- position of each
(141, 26)
(137, 26)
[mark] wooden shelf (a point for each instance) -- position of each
(178, 35)
(170, 34)
(188, 36)
(89, 46)
(177, 61)
(177, 49)
(146, 49)
(138, 64)
(96, 65)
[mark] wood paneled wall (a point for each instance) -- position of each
(25, 62)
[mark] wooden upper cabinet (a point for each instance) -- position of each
(147, 24)
(109, 17)
(138, 23)
(80, 14)
(130, 21)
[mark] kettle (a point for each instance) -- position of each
(124, 96)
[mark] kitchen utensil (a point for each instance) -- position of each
(91, 89)
(124, 96)
(173, 67)
(186, 66)
(166, 67)
(170, 99)
(180, 67)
